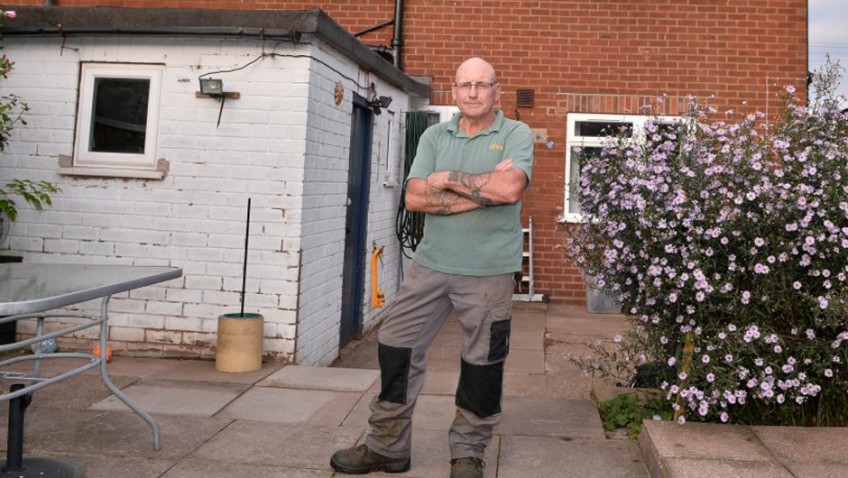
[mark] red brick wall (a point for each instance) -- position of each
(605, 56)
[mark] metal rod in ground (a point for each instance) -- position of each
(244, 268)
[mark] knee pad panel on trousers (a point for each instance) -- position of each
(394, 372)
(480, 388)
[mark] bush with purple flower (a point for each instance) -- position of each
(726, 241)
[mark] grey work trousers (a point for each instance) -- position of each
(423, 303)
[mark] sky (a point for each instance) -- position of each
(828, 34)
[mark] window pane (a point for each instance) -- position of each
(119, 118)
(574, 176)
(602, 128)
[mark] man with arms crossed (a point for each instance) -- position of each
(468, 177)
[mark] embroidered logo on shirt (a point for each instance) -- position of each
(496, 147)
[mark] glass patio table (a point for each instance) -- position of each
(35, 291)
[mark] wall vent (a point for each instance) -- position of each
(526, 97)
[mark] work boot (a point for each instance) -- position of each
(467, 467)
(359, 460)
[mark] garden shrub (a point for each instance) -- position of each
(729, 232)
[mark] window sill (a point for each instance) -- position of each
(570, 218)
(112, 173)
(66, 168)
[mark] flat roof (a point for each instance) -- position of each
(270, 24)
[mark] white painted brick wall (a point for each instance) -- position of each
(284, 143)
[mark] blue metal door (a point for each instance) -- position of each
(356, 223)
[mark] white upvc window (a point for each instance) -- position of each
(117, 118)
(589, 132)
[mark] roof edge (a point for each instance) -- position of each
(271, 24)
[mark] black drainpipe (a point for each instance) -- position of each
(397, 39)
(49, 3)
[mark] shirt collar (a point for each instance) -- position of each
(453, 125)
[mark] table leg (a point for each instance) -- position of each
(104, 332)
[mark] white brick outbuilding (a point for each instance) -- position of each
(284, 142)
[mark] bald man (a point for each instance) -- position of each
(468, 177)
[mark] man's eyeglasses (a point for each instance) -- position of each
(466, 87)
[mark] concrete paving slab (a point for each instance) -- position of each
(440, 382)
(360, 354)
(575, 419)
(358, 417)
(526, 456)
(451, 340)
(524, 385)
(204, 371)
(322, 378)
(443, 358)
(200, 399)
(700, 468)
(596, 326)
(528, 323)
(806, 445)
(565, 379)
(118, 434)
(527, 340)
(76, 393)
(523, 308)
(816, 470)
(201, 468)
(99, 466)
(575, 310)
(702, 441)
(525, 361)
(443, 363)
(431, 457)
(434, 412)
(42, 422)
(137, 366)
(285, 405)
(290, 445)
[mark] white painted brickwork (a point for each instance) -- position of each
(284, 143)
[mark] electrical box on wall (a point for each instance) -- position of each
(540, 135)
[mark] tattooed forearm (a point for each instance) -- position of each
(474, 183)
(446, 202)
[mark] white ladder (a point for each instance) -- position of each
(530, 296)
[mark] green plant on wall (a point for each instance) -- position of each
(36, 193)
(628, 411)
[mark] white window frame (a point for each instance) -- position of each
(573, 141)
(122, 164)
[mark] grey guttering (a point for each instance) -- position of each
(270, 24)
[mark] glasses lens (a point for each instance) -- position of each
(479, 86)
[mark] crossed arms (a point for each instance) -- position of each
(453, 192)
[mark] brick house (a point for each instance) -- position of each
(568, 69)
(155, 172)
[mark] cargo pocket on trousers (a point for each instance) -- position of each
(499, 340)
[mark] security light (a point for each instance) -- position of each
(211, 86)
(378, 103)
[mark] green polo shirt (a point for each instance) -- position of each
(482, 242)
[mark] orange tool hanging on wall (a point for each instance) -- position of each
(378, 298)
